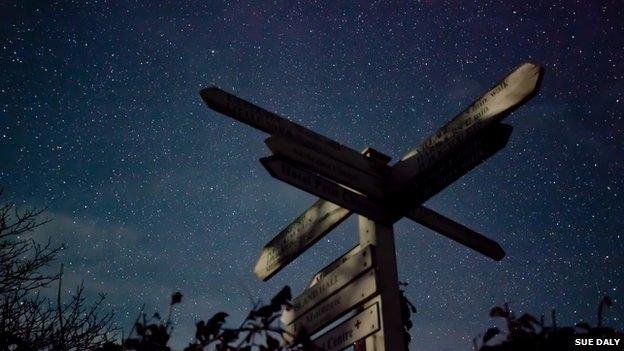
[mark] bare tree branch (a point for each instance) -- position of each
(28, 320)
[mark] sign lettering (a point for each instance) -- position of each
(359, 291)
(326, 189)
(348, 269)
(491, 107)
(326, 166)
(353, 329)
(304, 231)
(274, 124)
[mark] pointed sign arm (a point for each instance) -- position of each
(517, 88)
(314, 184)
(271, 123)
(329, 168)
(457, 232)
(311, 226)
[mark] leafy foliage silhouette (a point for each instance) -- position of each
(260, 330)
(29, 321)
(407, 309)
(528, 333)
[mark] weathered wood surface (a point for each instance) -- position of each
(313, 224)
(274, 124)
(517, 88)
(343, 301)
(326, 189)
(353, 329)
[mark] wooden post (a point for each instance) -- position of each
(390, 337)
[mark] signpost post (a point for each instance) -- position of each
(381, 235)
(364, 281)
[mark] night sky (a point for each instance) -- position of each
(152, 192)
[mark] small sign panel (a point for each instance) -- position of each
(348, 269)
(330, 267)
(349, 297)
(353, 329)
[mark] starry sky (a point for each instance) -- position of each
(152, 192)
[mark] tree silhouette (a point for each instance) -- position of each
(28, 320)
(31, 321)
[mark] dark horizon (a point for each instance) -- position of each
(154, 193)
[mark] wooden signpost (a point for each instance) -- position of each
(352, 330)
(303, 232)
(363, 284)
(327, 167)
(322, 187)
(345, 299)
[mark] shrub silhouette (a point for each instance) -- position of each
(260, 330)
(29, 321)
(528, 333)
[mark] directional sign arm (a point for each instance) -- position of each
(517, 88)
(457, 232)
(353, 329)
(449, 169)
(314, 223)
(274, 124)
(326, 166)
(319, 186)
